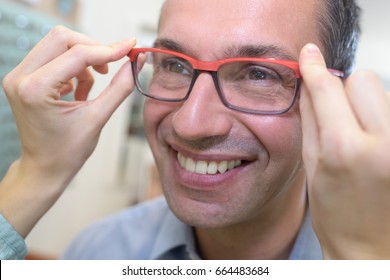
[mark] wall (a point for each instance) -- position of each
(373, 51)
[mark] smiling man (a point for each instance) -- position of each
(255, 207)
(244, 137)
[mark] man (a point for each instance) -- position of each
(229, 150)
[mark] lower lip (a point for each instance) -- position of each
(205, 181)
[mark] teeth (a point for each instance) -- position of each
(212, 168)
(204, 167)
(222, 166)
(201, 167)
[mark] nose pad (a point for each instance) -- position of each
(203, 114)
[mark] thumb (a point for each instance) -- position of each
(311, 64)
(120, 87)
(325, 92)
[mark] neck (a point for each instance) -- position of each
(271, 235)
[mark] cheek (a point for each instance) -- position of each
(280, 135)
(155, 113)
(150, 117)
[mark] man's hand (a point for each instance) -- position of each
(57, 136)
(346, 150)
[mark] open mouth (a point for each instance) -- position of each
(207, 167)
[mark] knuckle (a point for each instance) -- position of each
(9, 84)
(78, 49)
(85, 55)
(81, 52)
(6, 84)
(59, 34)
(26, 89)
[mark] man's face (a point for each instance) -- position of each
(265, 150)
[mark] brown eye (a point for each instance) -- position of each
(257, 75)
(176, 66)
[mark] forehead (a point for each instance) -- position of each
(210, 27)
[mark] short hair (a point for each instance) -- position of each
(340, 33)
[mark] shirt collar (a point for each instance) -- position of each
(307, 246)
(175, 240)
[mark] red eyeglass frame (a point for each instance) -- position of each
(213, 66)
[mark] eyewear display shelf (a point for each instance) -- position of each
(20, 29)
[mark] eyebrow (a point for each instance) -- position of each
(260, 50)
(265, 51)
(169, 45)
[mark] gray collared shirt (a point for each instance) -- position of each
(151, 231)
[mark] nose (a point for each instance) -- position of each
(202, 115)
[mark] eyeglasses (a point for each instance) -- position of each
(262, 86)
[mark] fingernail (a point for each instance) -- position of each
(312, 49)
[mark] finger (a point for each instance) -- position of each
(74, 62)
(369, 100)
(330, 103)
(310, 141)
(119, 89)
(102, 69)
(67, 88)
(55, 43)
(85, 82)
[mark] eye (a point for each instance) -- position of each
(256, 73)
(177, 66)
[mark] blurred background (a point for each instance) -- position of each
(112, 179)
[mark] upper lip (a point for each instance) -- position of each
(209, 156)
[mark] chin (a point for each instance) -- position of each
(201, 214)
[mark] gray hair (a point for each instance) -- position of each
(340, 32)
